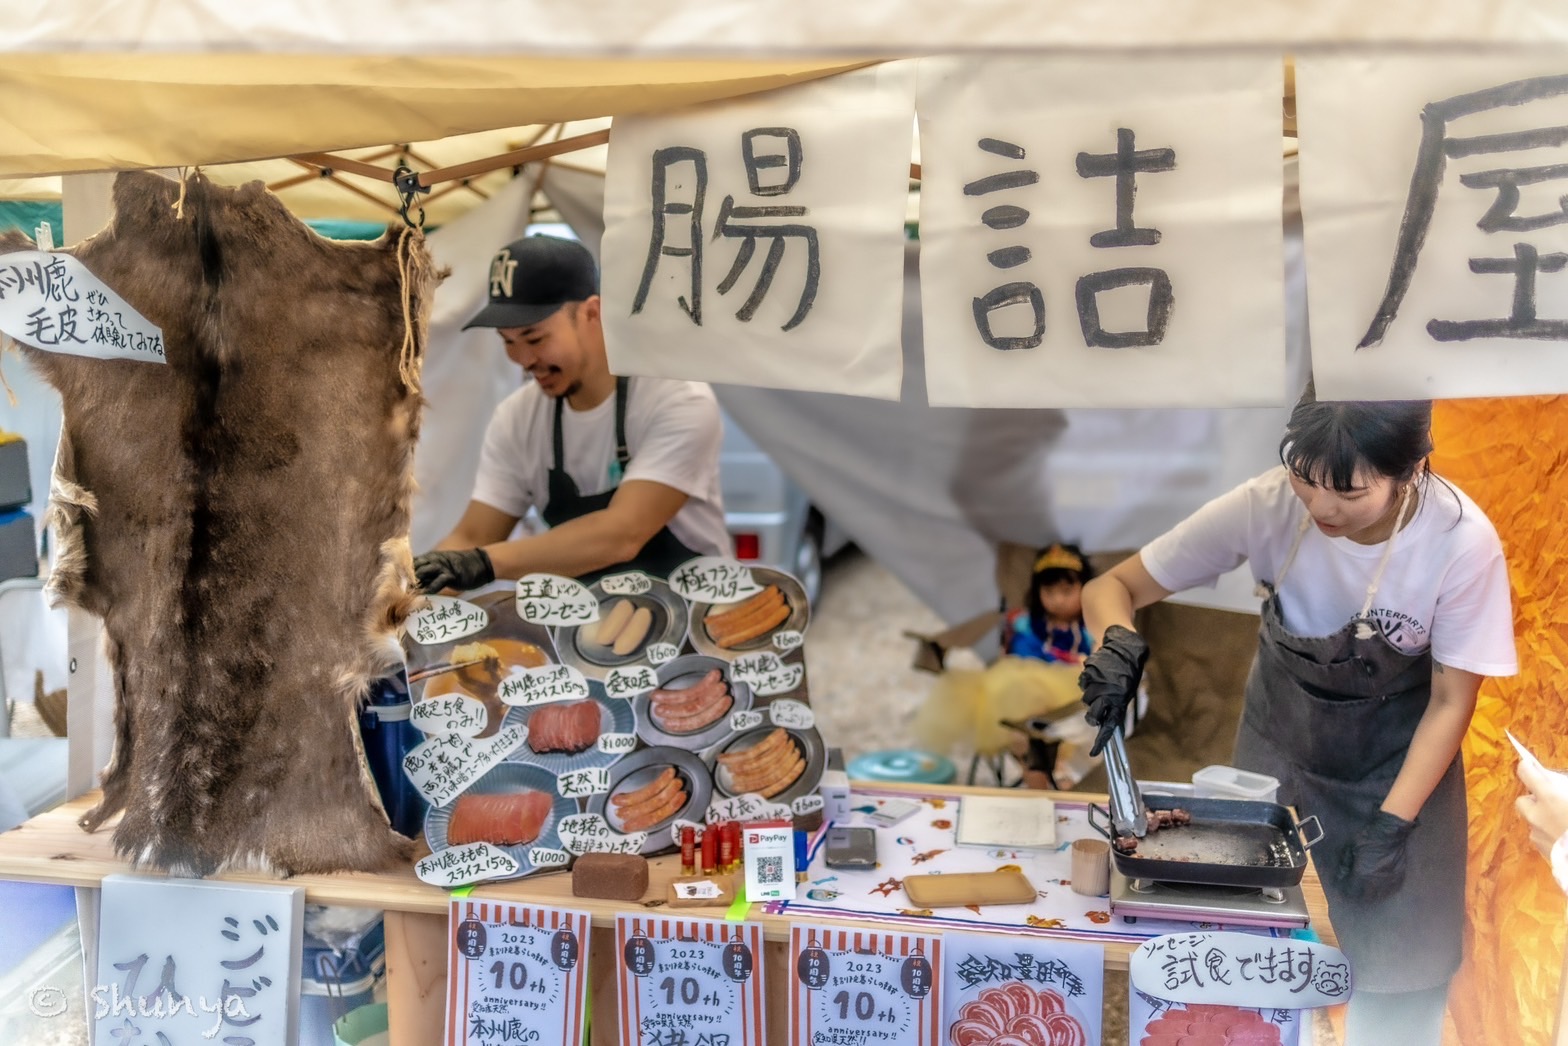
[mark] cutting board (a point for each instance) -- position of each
(956, 890)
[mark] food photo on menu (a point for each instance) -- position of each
(640, 707)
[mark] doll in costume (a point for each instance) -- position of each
(1049, 626)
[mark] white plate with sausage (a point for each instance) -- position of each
(692, 705)
(627, 626)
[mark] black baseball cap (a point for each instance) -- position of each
(533, 277)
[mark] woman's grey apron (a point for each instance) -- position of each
(1332, 718)
(663, 552)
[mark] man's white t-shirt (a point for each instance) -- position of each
(1446, 585)
(673, 432)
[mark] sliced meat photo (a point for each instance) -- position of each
(690, 709)
(504, 820)
(566, 726)
(749, 619)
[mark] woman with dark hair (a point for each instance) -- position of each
(1385, 601)
(1049, 626)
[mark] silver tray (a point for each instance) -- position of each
(679, 674)
(641, 767)
(594, 661)
(799, 617)
(807, 742)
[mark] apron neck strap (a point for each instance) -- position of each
(1295, 546)
(622, 453)
(1400, 519)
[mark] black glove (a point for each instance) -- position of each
(461, 569)
(1109, 680)
(1373, 865)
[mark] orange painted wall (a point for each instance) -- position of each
(1511, 456)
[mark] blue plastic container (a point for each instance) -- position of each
(903, 766)
(333, 984)
(388, 736)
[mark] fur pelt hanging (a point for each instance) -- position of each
(238, 518)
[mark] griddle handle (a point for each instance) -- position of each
(1301, 833)
(1103, 829)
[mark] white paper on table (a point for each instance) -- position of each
(1204, 133)
(1362, 190)
(671, 308)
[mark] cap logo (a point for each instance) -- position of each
(501, 272)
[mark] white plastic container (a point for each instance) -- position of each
(1227, 782)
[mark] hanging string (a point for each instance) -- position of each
(186, 174)
(8, 344)
(408, 356)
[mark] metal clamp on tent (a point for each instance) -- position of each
(409, 189)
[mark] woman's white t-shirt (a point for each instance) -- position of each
(673, 432)
(1446, 585)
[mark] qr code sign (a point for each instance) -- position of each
(770, 870)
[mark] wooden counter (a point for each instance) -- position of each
(51, 848)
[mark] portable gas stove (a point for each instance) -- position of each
(1192, 902)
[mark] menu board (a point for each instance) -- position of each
(859, 988)
(565, 717)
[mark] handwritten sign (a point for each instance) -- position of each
(748, 807)
(713, 579)
(549, 599)
(617, 744)
(752, 666)
(747, 720)
(690, 981)
(677, 825)
(630, 681)
(450, 714)
(470, 863)
(53, 302)
(591, 833)
(542, 685)
(578, 784)
(447, 618)
(442, 766)
(518, 974)
(864, 988)
(995, 986)
(631, 584)
(662, 653)
(792, 715)
(1241, 969)
(807, 804)
(788, 640)
(1154, 1019)
(190, 961)
(544, 857)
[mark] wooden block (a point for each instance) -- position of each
(957, 890)
(701, 891)
(614, 877)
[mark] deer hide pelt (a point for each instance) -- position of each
(238, 518)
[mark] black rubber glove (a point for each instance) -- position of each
(461, 569)
(1109, 680)
(1373, 865)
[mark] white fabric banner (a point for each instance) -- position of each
(1437, 225)
(1129, 211)
(458, 27)
(760, 241)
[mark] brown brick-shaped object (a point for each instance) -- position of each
(614, 877)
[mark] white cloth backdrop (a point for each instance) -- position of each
(466, 372)
(1363, 197)
(1156, 181)
(695, 289)
(928, 491)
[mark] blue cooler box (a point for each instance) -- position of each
(333, 983)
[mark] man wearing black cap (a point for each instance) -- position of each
(625, 471)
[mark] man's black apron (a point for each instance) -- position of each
(1332, 718)
(663, 552)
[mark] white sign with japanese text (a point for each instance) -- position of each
(189, 961)
(1436, 232)
(445, 619)
(443, 765)
(54, 303)
(690, 981)
(1102, 232)
(760, 240)
(549, 599)
(863, 987)
(517, 974)
(1241, 969)
(1039, 991)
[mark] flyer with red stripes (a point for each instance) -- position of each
(516, 973)
(860, 988)
(689, 981)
